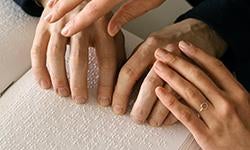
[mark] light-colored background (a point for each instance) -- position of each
(158, 18)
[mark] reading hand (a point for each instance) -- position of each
(48, 57)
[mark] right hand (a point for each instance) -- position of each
(146, 106)
(48, 57)
(216, 107)
(96, 9)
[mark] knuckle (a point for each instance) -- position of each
(185, 116)
(55, 51)
(191, 93)
(243, 95)
(196, 73)
(128, 72)
(92, 9)
(153, 80)
(218, 63)
(227, 109)
(163, 112)
(171, 101)
(152, 40)
(36, 50)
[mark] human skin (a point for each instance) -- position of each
(146, 106)
(225, 123)
(95, 9)
(48, 57)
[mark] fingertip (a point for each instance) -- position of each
(104, 101)
(67, 30)
(118, 110)
(136, 119)
(186, 47)
(79, 99)
(112, 31)
(159, 90)
(45, 84)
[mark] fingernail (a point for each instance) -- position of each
(80, 99)
(184, 44)
(63, 92)
(118, 110)
(115, 30)
(65, 30)
(44, 84)
(160, 53)
(50, 3)
(154, 123)
(48, 17)
(157, 65)
(137, 119)
(104, 101)
(170, 121)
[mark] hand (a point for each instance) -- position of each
(96, 9)
(49, 47)
(222, 103)
(147, 106)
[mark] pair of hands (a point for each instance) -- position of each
(48, 57)
(146, 107)
(226, 113)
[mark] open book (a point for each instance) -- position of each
(31, 118)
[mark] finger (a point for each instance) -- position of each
(129, 74)
(50, 3)
(215, 68)
(38, 57)
(146, 98)
(170, 120)
(60, 8)
(91, 12)
(192, 73)
(186, 90)
(79, 67)
(107, 61)
(182, 113)
(56, 59)
(129, 11)
(158, 114)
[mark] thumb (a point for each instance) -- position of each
(129, 11)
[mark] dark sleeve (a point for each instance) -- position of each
(31, 7)
(231, 20)
(194, 2)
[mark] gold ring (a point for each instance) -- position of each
(203, 106)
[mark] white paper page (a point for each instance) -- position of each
(16, 34)
(31, 118)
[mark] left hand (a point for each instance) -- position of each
(217, 107)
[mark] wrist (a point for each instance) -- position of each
(204, 36)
